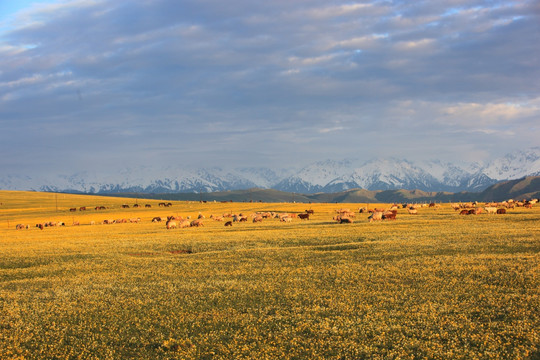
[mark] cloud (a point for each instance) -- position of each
(123, 77)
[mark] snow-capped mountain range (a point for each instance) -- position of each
(322, 176)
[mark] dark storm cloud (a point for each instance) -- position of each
(110, 82)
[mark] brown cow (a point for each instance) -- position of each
(228, 223)
(171, 224)
(303, 216)
(389, 216)
(197, 223)
(501, 211)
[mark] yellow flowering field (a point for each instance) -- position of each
(435, 285)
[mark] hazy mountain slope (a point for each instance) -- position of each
(322, 176)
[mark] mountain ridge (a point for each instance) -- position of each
(325, 176)
(524, 188)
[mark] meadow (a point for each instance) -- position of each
(435, 285)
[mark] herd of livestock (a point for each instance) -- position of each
(342, 216)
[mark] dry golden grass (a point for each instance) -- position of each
(430, 286)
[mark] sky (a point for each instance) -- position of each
(107, 84)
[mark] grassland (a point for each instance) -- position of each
(430, 286)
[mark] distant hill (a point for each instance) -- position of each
(528, 187)
(525, 188)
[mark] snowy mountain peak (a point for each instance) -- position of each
(321, 176)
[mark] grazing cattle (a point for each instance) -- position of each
(346, 220)
(136, 205)
(346, 213)
(286, 219)
(76, 223)
(196, 223)
(72, 209)
(412, 211)
(161, 204)
(40, 226)
(490, 209)
(100, 207)
(464, 212)
(82, 208)
(472, 212)
(257, 219)
(228, 223)
(135, 220)
(375, 216)
(170, 224)
(21, 226)
(125, 206)
(107, 221)
(156, 219)
(389, 216)
(184, 224)
(147, 206)
(501, 211)
(303, 216)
